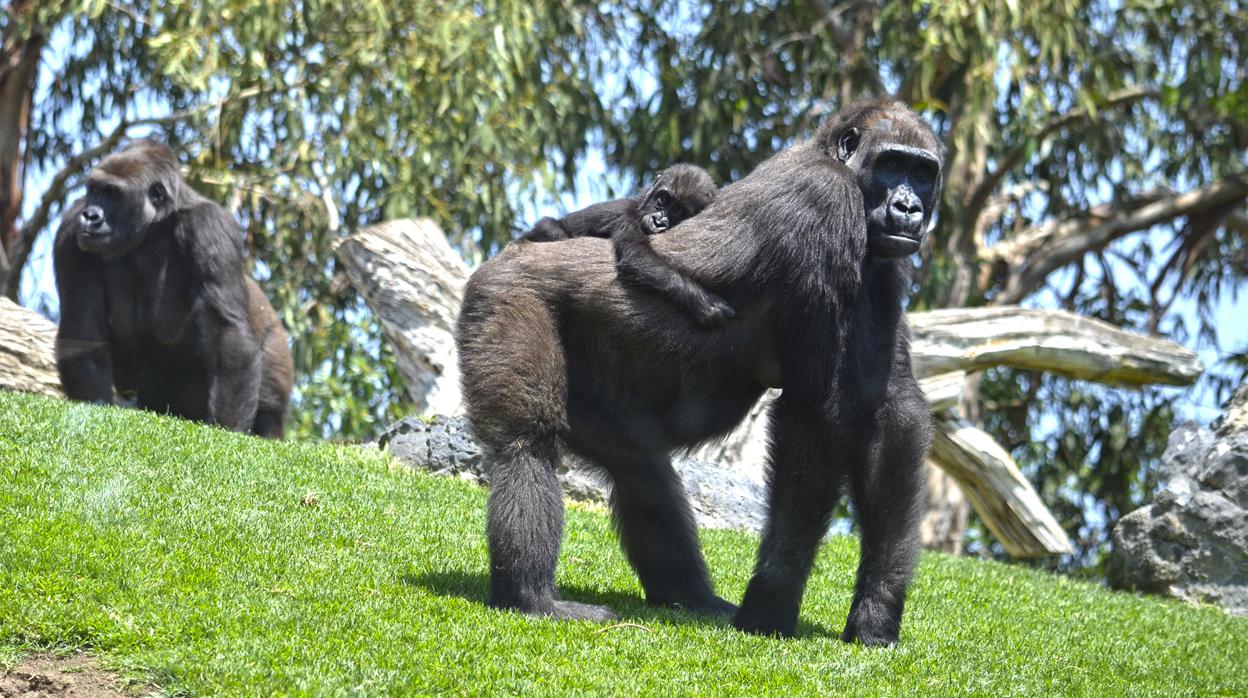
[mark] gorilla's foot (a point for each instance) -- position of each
(755, 619)
(879, 629)
(852, 635)
(709, 604)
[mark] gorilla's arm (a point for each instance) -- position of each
(597, 220)
(547, 230)
(211, 239)
(638, 263)
(83, 355)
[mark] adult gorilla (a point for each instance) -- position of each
(157, 303)
(811, 249)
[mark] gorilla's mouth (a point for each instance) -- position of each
(895, 243)
(94, 240)
(900, 237)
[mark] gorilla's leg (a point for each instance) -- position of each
(269, 423)
(547, 230)
(525, 529)
(803, 488)
(888, 496)
(515, 380)
(525, 525)
(657, 531)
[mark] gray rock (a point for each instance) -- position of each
(441, 445)
(1192, 541)
(720, 497)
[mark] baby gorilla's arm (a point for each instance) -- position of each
(637, 263)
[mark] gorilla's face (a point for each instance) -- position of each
(680, 192)
(118, 212)
(895, 159)
(660, 210)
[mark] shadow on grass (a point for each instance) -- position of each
(475, 587)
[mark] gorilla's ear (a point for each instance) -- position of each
(847, 144)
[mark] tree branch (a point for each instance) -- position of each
(1039, 251)
(855, 54)
(1015, 155)
(1237, 222)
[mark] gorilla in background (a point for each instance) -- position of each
(156, 301)
(679, 192)
(812, 250)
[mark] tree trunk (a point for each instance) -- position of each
(19, 70)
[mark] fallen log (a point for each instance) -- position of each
(1003, 498)
(413, 281)
(1053, 341)
(27, 351)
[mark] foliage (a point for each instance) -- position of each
(313, 118)
(328, 571)
(1099, 465)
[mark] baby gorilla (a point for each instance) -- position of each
(680, 192)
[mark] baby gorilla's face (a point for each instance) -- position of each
(680, 192)
(660, 210)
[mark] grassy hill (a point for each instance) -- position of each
(205, 562)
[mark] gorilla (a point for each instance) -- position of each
(679, 192)
(156, 301)
(813, 250)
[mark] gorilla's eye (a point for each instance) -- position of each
(663, 198)
(157, 193)
(925, 173)
(847, 144)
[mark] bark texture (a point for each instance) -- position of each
(27, 351)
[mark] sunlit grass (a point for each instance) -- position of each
(204, 562)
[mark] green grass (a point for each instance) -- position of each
(193, 560)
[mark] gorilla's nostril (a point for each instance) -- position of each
(907, 207)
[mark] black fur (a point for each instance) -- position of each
(678, 193)
(811, 249)
(157, 303)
